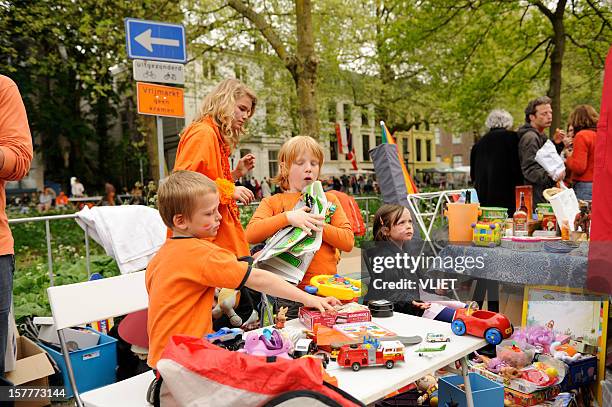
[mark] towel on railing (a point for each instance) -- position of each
(131, 234)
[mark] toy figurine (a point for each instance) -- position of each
(281, 318)
(582, 220)
(270, 343)
(428, 385)
(226, 301)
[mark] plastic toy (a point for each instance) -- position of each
(226, 301)
(343, 288)
(281, 318)
(437, 338)
(270, 343)
(422, 351)
(304, 347)
(514, 356)
(492, 326)
(566, 353)
(228, 338)
(355, 356)
(487, 234)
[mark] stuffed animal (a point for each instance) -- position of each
(565, 353)
(428, 385)
(227, 300)
(281, 318)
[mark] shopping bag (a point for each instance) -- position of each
(564, 203)
(550, 160)
(196, 373)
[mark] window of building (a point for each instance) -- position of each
(364, 117)
(346, 109)
(333, 147)
(378, 140)
(365, 146)
(437, 135)
(456, 138)
(273, 162)
(418, 149)
(241, 72)
(428, 150)
(405, 142)
(209, 70)
(438, 159)
(331, 112)
(457, 160)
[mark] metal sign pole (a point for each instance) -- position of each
(160, 145)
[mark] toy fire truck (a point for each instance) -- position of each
(371, 353)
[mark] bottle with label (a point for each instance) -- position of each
(520, 218)
(565, 230)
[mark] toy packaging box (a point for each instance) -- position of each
(309, 317)
(530, 399)
(357, 330)
(580, 372)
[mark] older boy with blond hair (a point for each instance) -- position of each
(182, 277)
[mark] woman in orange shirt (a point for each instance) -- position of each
(581, 160)
(300, 160)
(205, 147)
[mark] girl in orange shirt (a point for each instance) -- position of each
(581, 161)
(300, 160)
(205, 147)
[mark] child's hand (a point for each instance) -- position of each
(421, 305)
(243, 194)
(323, 304)
(300, 218)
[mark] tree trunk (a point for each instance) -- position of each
(556, 65)
(305, 76)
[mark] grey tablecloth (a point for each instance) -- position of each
(532, 268)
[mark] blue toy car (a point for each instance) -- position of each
(224, 335)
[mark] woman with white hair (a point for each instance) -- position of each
(494, 163)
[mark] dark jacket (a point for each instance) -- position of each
(530, 141)
(495, 168)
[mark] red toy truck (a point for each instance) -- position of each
(491, 326)
(367, 354)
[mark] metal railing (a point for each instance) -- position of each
(48, 219)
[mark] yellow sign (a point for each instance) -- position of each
(160, 100)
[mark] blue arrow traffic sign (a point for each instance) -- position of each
(155, 40)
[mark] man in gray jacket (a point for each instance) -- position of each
(538, 117)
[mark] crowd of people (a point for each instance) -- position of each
(504, 158)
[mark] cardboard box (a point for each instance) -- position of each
(531, 399)
(83, 338)
(309, 317)
(31, 369)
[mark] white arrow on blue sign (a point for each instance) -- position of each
(155, 40)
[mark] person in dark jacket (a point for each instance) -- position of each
(538, 117)
(494, 163)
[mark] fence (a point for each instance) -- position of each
(48, 219)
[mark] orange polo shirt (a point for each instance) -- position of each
(270, 217)
(181, 280)
(16, 145)
(202, 149)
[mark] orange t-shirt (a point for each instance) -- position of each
(202, 149)
(181, 281)
(270, 217)
(16, 145)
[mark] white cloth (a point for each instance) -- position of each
(550, 160)
(131, 234)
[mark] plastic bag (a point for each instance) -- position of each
(550, 160)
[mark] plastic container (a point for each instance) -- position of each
(93, 367)
(381, 308)
(490, 214)
(485, 392)
(460, 218)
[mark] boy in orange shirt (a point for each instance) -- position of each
(182, 277)
(300, 160)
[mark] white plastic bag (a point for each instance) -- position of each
(564, 203)
(550, 160)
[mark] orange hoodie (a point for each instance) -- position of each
(270, 217)
(16, 145)
(202, 149)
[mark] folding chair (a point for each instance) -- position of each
(81, 303)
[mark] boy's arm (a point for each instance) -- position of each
(264, 222)
(266, 282)
(339, 233)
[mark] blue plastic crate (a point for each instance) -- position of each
(93, 367)
(485, 392)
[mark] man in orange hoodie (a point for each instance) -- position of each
(15, 158)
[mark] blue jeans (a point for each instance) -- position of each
(584, 190)
(7, 268)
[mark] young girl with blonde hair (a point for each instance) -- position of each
(205, 146)
(300, 161)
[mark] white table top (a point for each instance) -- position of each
(373, 383)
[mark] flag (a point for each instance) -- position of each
(342, 140)
(388, 138)
(351, 156)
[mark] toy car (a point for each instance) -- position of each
(304, 347)
(492, 326)
(371, 354)
(229, 338)
(437, 338)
